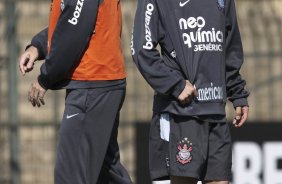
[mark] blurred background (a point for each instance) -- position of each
(28, 135)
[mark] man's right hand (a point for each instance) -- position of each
(188, 93)
(27, 59)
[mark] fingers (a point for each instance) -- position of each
(188, 93)
(245, 113)
(27, 59)
(24, 59)
(31, 61)
(41, 97)
(238, 113)
(186, 100)
(195, 92)
(36, 94)
(31, 98)
(237, 117)
(26, 63)
(241, 116)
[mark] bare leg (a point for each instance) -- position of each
(182, 180)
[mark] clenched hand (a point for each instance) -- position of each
(241, 116)
(188, 93)
(27, 59)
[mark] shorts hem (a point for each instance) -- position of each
(159, 176)
(225, 178)
(194, 176)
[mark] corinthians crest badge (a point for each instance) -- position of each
(184, 155)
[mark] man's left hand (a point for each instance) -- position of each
(36, 94)
(241, 116)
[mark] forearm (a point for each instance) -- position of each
(234, 59)
(39, 41)
(146, 37)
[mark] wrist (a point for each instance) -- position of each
(241, 102)
(34, 51)
(179, 87)
(42, 82)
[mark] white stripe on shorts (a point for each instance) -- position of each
(167, 182)
(164, 126)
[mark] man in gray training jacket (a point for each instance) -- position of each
(196, 72)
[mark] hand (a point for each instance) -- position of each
(27, 59)
(241, 116)
(188, 93)
(36, 94)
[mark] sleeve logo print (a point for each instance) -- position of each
(148, 34)
(184, 155)
(181, 4)
(132, 44)
(76, 13)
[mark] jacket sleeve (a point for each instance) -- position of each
(69, 41)
(40, 42)
(235, 85)
(145, 38)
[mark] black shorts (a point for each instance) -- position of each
(188, 147)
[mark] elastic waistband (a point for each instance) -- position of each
(192, 109)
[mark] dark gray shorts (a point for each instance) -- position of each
(188, 147)
(88, 151)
